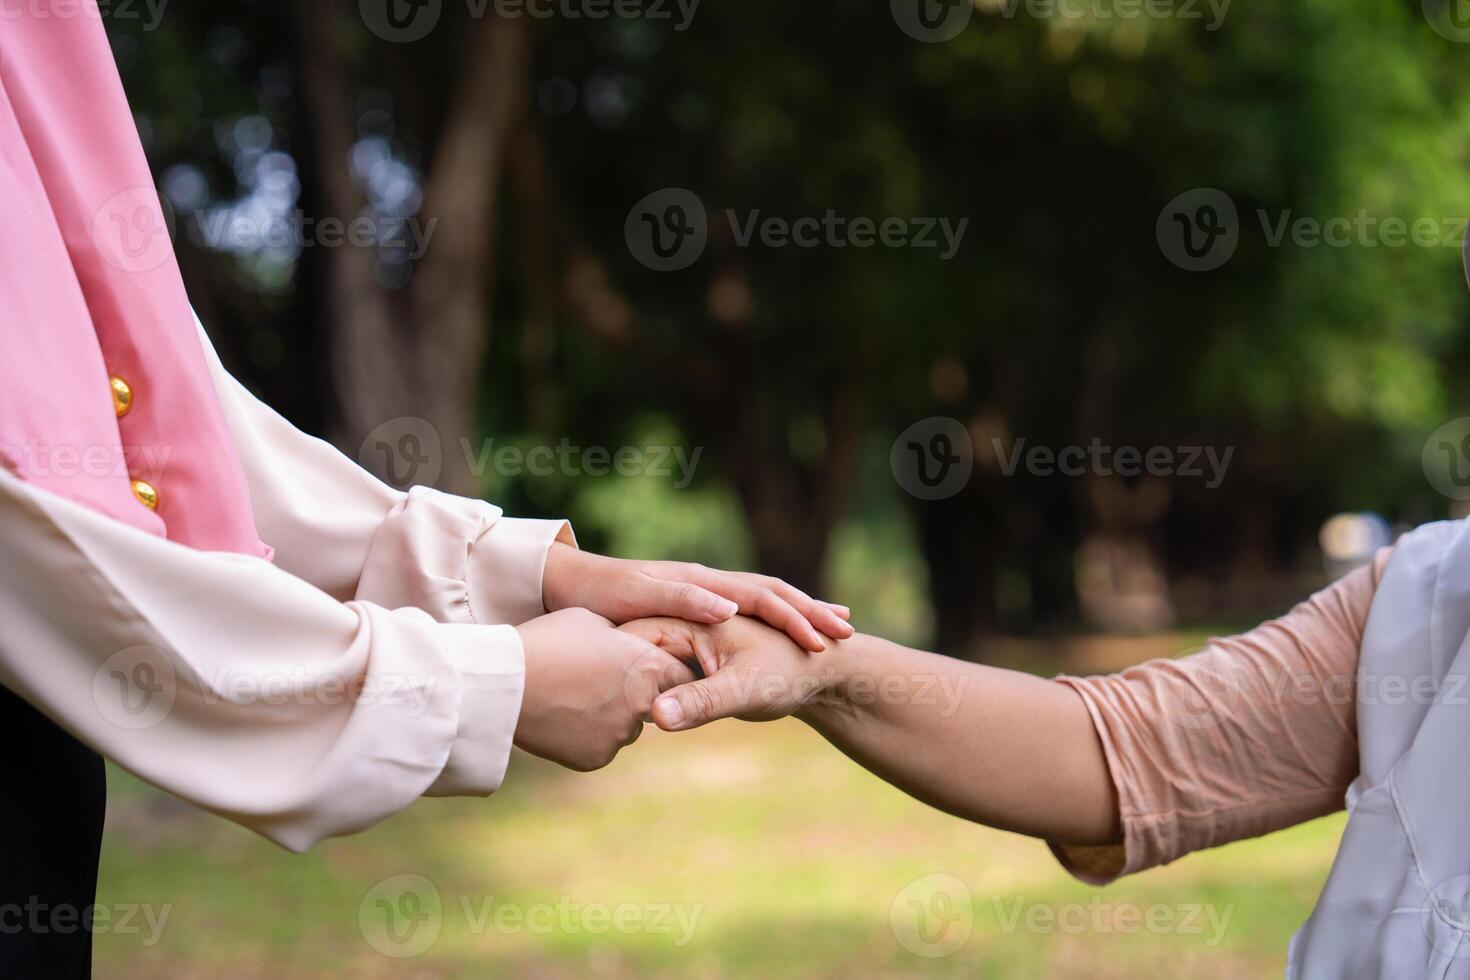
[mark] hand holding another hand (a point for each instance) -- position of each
(588, 688)
(624, 590)
(752, 672)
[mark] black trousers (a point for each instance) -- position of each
(51, 807)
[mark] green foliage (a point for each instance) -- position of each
(1058, 320)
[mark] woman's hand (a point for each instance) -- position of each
(625, 590)
(751, 672)
(588, 688)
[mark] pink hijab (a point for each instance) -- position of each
(90, 290)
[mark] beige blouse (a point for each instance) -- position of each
(1253, 734)
(374, 662)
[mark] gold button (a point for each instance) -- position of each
(147, 496)
(122, 396)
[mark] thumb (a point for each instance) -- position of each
(698, 703)
(685, 600)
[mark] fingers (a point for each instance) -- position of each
(697, 703)
(783, 606)
(771, 607)
(828, 617)
(685, 600)
(649, 674)
(670, 635)
(678, 638)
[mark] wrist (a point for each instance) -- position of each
(839, 664)
(558, 576)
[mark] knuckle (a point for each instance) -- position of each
(706, 699)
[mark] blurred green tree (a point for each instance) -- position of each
(1059, 320)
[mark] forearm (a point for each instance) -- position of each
(999, 747)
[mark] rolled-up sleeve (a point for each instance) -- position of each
(1254, 733)
(240, 687)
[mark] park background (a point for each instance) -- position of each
(501, 158)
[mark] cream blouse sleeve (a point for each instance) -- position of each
(240, 687)
(336, 526)
(374, 662)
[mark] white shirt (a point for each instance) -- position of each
(374, 662)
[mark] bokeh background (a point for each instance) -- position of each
(1201, 228)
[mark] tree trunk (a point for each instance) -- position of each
(417, 354)
(364, 349)
(792, 509)
(451, 289)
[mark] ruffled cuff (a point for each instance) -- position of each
(491, 665)
(506, 568)
(459, 560)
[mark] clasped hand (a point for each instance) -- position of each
(589, 686)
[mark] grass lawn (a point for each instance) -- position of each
(735, 851)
